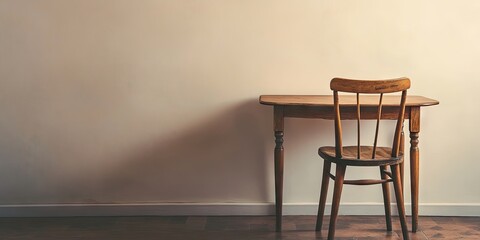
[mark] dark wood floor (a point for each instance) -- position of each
(255, 227)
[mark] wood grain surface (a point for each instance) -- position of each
(229, 227)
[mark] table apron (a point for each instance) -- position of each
(347, 112)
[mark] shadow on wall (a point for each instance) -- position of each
(223, 159)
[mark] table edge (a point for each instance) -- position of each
(431, 102)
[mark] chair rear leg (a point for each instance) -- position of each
(399, 196)
(323, 194)
(337, 192)
(386, 199)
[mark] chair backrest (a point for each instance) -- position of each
(369, 87)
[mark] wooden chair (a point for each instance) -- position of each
(365, 156)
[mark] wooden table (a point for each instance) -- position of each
(321, 106)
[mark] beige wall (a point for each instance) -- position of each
(156, 101)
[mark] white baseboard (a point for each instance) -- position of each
(217, 209)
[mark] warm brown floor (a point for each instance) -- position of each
(255, 227)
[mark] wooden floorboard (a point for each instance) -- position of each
(229, 227)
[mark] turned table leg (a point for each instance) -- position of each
(414, 163)
(278, 158)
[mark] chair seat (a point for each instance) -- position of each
(382, 156)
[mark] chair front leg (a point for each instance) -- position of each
(337, 192)
(323, 194)
(386, 199)
(400, 203)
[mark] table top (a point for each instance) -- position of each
(346, 100)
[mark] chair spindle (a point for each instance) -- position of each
(398, 128)
(379, 115)
(338, 126)
(358, 125)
